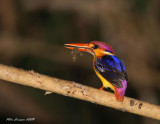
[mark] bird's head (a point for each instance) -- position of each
(97, 48)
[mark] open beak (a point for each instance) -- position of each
(80, 47)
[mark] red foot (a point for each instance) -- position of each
(101, 88)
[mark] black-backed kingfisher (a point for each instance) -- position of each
(109, 68)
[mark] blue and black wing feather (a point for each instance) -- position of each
(112, 69)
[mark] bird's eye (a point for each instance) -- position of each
(95, 46)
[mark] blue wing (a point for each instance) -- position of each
(112, 69)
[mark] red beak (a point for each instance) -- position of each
(80, 47)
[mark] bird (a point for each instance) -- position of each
(107, 66)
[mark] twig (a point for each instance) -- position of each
(72, 89)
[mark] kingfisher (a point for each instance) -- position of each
(107, 66)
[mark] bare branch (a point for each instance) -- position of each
(72, 89)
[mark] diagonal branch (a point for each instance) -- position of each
(72, 89)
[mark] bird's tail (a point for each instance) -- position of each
(120, 92)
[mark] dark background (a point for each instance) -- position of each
(32, 35)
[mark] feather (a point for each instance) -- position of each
(112, 69)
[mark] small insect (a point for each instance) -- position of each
(75, 51)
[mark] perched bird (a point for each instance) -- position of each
(109, 68)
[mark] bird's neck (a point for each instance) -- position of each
(100, 57)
